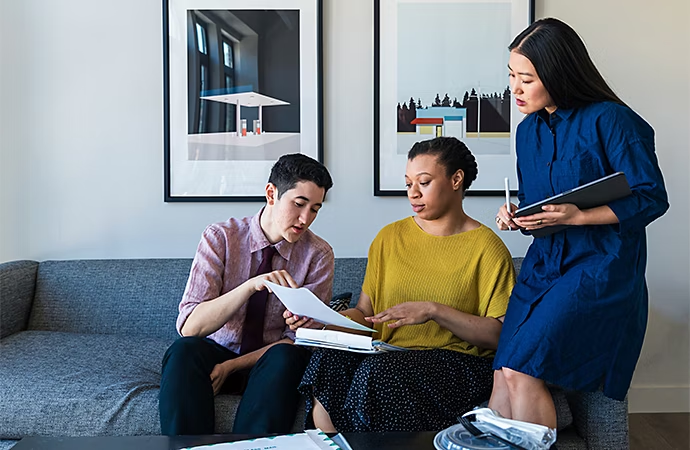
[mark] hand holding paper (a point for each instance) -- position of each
(304, 303)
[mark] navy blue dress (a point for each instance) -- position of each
(578, 313)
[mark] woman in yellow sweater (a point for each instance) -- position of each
(437, 282)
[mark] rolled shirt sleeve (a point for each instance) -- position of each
(206, 275)
(630, 149)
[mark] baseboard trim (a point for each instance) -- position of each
(659, 399)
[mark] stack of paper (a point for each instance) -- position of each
(304, 303)
(309, 440)
(341, 341)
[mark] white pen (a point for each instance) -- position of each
(507, 186)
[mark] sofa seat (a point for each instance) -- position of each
(72, 384)
(79, 384)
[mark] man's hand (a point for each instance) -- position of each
(281, 277)
(220, 373)
(294, 321)
(408, 313)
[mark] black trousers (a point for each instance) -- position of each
(269, 403)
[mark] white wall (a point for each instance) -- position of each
(81, 158)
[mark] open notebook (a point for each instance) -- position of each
(339, 340)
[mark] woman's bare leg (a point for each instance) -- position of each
(530, 399)
(322, 419)
(500, 396)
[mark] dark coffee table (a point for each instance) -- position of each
(358, 441)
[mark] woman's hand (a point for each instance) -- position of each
(220, 373)
(504, 218)
(408, 313)
(565, 214)
(281, 277)
(294, 321)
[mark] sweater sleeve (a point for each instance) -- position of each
(496, 279)
(371, 277)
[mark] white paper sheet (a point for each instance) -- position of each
(309, 440)
(304, 303)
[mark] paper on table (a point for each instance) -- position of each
(309, 440)
(304, 303)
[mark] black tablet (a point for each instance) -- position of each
(595, 193)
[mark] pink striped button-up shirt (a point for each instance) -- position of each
(229, 254)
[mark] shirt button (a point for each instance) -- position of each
(548, 164)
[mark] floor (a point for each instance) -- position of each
(661, 431)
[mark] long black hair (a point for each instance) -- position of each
(562, 63)
(452, 154)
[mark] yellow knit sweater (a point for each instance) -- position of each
(470, 271)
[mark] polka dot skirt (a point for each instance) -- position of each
(418, 390)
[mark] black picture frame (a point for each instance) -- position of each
(412, 32)
(225, 56)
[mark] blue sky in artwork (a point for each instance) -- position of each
(451, 47)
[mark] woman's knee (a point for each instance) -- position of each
(519, 381)
(499, 379)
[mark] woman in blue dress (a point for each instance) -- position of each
(578, 313)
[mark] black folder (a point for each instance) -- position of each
(595, 193)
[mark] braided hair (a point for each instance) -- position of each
(452, 154)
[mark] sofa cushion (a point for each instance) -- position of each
(137, 297)
(17, 281)
(341, 302)
(68, 384)
(564, 417)
(349, 276)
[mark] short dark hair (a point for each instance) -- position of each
(296, 167)
(452, 154)
(563, 65)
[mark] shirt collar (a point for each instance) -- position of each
(561, 113)
(258, 239)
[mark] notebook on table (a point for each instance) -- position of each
(595, 193)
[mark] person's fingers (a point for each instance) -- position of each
(277, 277)
(388, 315)
(214, 381)
(283, 278)
(380, 317)
(301, 322)
(287, 314)
(290, 281)
(292, 320)
(396, 324)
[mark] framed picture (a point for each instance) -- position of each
(440, 69)
(242, 86)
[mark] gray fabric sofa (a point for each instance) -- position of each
(81, 344)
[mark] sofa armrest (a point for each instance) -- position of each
(602, 422)
(17, 285)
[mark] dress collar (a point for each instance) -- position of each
(561, 113)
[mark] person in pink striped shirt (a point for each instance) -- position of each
(234, 336)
